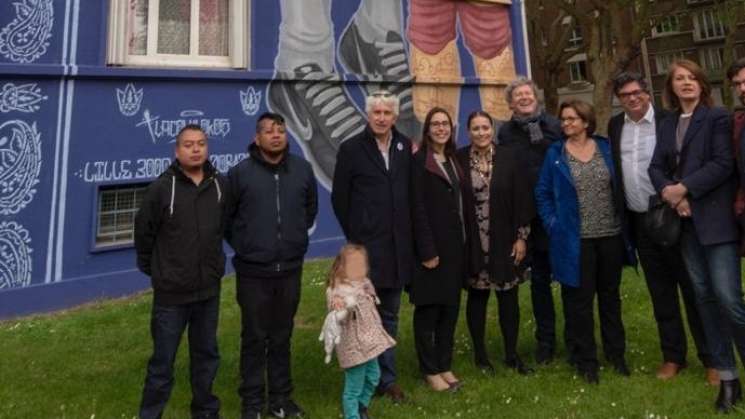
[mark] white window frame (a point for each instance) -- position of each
(575, 71)
(575, 38)
(238, 39)
(663, 60)
(711, 58)
(667, 25)
(119, 234)
(708, 25)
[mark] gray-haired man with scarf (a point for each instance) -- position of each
(531, 131)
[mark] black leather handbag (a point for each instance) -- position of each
(661, 222)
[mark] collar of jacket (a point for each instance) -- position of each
(255, 153)
(370, 135)
(432, 166)
(176, 170)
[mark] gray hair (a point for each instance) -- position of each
(519, 82)
(382, 97)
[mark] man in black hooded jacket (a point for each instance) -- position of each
(178, 237)
(273, 203)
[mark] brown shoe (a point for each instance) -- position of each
(394, 393)
(668, 370)
(712, 377)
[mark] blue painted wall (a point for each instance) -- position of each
(63, 135)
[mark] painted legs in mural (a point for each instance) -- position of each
(319, 112)
(435, 57)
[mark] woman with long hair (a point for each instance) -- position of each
(437, 218)
(498, 211)
(693, 170)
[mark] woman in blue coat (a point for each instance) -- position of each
(693, 169)
(578, 199)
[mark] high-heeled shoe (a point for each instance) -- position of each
(436, 382)
(450, 378)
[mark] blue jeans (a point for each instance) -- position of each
(359, 385)
(167, 324)
(390, 302)
(715, 275)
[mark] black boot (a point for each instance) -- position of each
(363, 412)
(517, 364)
(590, 375)
(730, 393)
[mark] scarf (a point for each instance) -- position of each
(532, 125)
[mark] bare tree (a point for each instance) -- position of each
(613, 31)
(731, 12)
(549, 30)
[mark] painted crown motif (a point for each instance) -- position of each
(129, 100)
(250, 101)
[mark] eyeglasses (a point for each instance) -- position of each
(382, 93)
(439, 124)
(569, 120)
(628, 95)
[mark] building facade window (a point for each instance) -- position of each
(708, 25)
(115, 214)
(575, 38)
(667, 25)
(711, 58)
(172, 33)
(578, 71)
(662, 61)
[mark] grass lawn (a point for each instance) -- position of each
(90, 362)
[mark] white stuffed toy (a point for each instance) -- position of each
(331, 331)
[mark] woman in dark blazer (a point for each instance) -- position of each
(581, 206)
(498, 210)
(693, 170)
(439, 238)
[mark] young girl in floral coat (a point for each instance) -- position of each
(351, 299)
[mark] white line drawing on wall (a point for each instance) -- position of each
(20, 164)
(250, 101)
(15, 256)
(166, 129)
(23, 98)
(26, 37)
(129, 100)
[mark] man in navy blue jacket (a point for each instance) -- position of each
(273, 202)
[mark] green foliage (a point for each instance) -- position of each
(90, 363)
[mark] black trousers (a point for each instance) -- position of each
(434, 333)
(167, 325)
(268, 307)
(665, 273)
(509, 320)
(601, 262)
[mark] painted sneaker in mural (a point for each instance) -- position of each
(386, 66)
(318, 113)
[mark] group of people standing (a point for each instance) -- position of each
(539, 199)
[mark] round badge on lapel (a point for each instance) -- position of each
(400, 147)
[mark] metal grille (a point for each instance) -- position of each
(117, 207)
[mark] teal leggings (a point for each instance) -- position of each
(360, 382)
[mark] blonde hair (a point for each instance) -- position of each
(338, 271)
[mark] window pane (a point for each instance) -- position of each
(213, 27)
(137, 27)
(174, 20)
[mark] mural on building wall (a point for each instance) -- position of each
(23, 98)
(26, 38)
(250, 101)
(376, 48)
(129, 100)
(15, 256)
(20, 164)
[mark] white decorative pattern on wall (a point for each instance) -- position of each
(15, 256)
(26, 37)
(23, 98)
(20, 164)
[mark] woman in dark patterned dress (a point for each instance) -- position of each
(498, 209)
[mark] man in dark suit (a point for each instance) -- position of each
(370, 197)
(633, 138)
